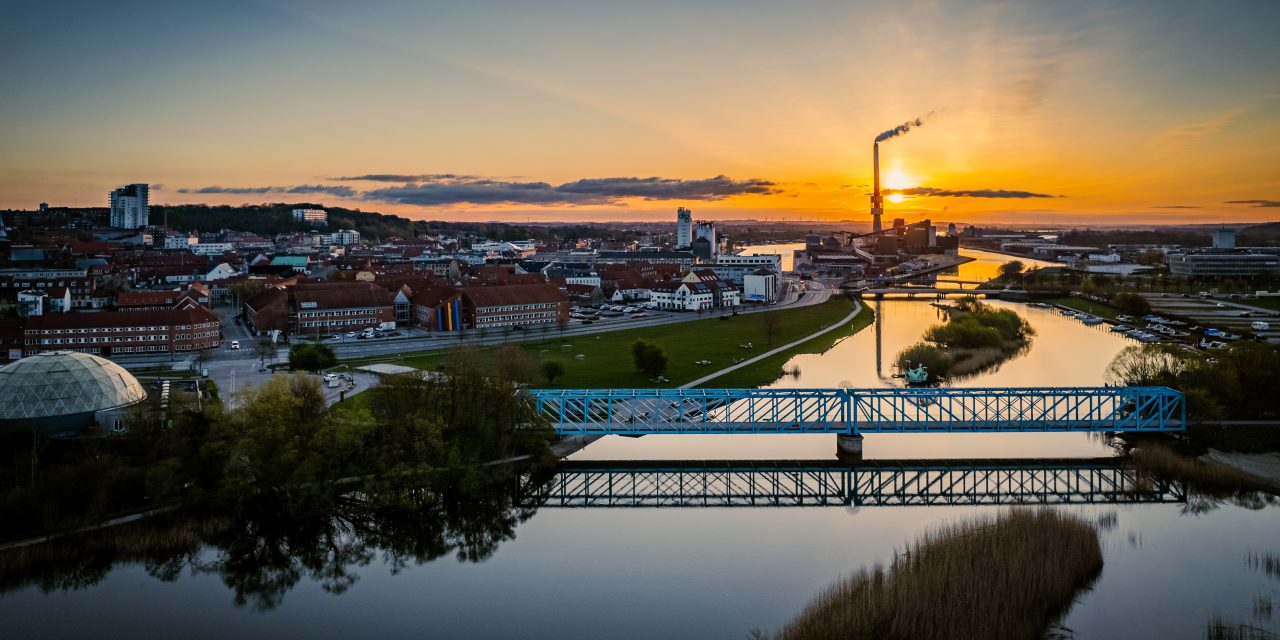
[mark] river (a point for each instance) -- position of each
(714, 572)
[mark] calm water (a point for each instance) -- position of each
(719, 572)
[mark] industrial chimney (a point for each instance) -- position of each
(877, 202)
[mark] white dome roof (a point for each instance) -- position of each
(60, 383)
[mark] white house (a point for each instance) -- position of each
(221, 272)
(682, 296)
(761, 286)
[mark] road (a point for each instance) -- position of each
(798, 294)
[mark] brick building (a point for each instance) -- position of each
(120, 332)
(316, 308)
(513, 305)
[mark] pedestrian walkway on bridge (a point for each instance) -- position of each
(857, 411)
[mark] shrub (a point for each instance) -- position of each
(935, 359)
(552, 369)
(649, 357)
(1130, 302)
(312, 357)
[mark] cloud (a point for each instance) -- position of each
(439, 189)
(1187, 132)
(1175, 206)
(654, 188)
(966, 193)
(447, 189)
(478, 192)
(333, 190)
(402, 177)
(1257, 203)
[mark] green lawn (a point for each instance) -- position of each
(1088, 306)
(770, 369)
(606, 357)
(1265, 303)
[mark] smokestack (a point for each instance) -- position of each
(877, 202)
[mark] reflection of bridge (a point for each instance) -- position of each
(933, 291)
(796, 483)
(856, 411)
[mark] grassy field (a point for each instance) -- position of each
(1088, 306)
(770, 369)
(1265, 303)
(606, 357)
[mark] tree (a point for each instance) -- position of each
(649, 358)
(242, 291)
(1012, 268)
(1151, 257)
(265, 349)
(1130, 302)
(771, 326)
(312, 357)
(552, 369)
(515, 364)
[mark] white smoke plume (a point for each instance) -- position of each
(903, 128)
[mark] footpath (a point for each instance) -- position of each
(574, 444)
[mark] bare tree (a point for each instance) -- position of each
(770, 325)
(265, 349)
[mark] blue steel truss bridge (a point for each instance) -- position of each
(858, 411)
(882, 483)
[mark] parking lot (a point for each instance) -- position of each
(585, 314)
(1228, 313)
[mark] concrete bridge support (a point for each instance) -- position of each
(849, 445)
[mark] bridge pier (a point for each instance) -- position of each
(849, 445)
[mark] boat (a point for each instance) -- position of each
(1121, 328)
(1067, 312)
(1124, 318)
(1092, 320)
(1260, 326)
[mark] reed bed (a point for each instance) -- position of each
(1265, 561)
(1220, 629)
(1162, 462)
(996, 577)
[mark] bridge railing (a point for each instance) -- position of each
(848, 411)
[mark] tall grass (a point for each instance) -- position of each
(1162, 462)
(1220, 629)
(1002, 577)
(1266, 561)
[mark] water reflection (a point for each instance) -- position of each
(872, 483)
(262, 556)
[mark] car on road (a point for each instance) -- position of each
(352, 334)
(235, 345)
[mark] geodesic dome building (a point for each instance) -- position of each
(59, 393)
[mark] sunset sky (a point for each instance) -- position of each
(1073, 112)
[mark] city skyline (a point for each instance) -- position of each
(1093, 113)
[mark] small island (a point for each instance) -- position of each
(975, 337)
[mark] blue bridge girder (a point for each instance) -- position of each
(882, 483)
(857, 411)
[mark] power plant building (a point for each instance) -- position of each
(129, 208)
